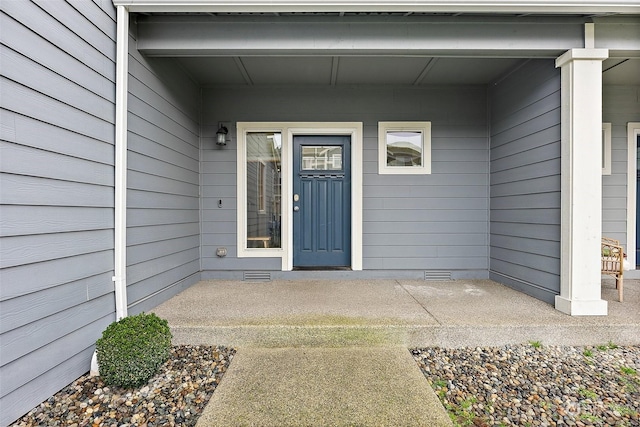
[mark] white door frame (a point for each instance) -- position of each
(633, 130)
(288, 130)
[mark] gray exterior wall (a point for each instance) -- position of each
(163, 200)
(525, 179)
(57, 153)
(412, 222)
(57, 192)
(620, 105)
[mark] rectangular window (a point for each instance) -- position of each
(404, 147)
(264, 212)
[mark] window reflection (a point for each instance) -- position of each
(264, 208)
(404, 148)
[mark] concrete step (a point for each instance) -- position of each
(409, 336)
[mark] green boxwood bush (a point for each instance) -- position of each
(132, 349)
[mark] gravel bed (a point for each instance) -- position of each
(535, 385)
(176, 396)
(527, 385)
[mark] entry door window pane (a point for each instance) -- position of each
(321, 158)
(264, 207)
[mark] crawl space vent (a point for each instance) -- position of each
(256, 276)
(437, 275)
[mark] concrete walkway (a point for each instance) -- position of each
(333, 352)
(352, 386)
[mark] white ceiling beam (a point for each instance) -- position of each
(450, 6)
(246, 36)
(202, 37)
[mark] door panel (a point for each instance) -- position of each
(322, 211)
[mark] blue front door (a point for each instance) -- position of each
(321, 201)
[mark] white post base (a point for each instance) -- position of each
(581, 308)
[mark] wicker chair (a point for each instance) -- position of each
(612, 262)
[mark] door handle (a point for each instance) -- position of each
(296, 208)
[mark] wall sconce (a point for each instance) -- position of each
(221, 135)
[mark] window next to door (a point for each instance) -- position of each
(263, 190)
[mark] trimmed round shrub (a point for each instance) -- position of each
(132, 349)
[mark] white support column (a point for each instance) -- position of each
(122, 76)
(581, 169)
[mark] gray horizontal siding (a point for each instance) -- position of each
(163, 230)
(621, 104)
(430, 222)
(20, 220)
(35, 191)
(56, 198)
(58, 140)
(23, 160)
(65, 357)
(23, 100)
(48, 301)
(21, 250)
(525, 180)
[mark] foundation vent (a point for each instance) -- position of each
(256, 276)
(437, 275)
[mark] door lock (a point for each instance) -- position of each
(296, 197)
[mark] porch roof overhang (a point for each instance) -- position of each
(463, 36)
(432, 6)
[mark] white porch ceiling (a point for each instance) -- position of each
(379, 70)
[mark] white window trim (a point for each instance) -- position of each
(424, 128)
(288, 131)
(633, 130)
(606, 149)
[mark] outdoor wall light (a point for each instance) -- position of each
(221, 135)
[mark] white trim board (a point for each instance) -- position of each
(458, 6)
(633, 130)
(288, 130)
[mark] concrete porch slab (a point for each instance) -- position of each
(412, 313)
